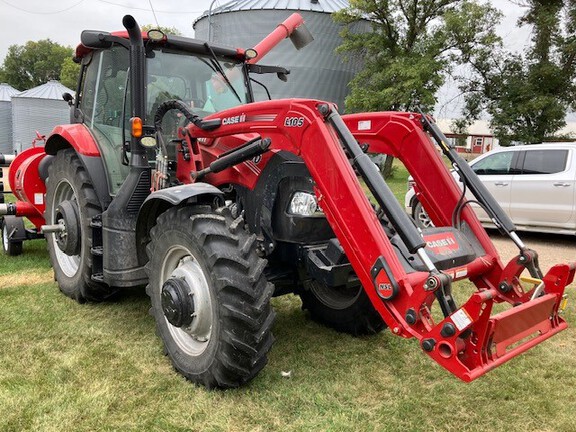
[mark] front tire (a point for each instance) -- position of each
(69, 187)
(209, 296)
(345, 309)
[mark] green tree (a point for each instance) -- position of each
(32, 64)
(69, 73)
(527, 95)
(413, 45)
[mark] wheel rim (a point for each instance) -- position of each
(335, 297)
(179, 262)
(5, 239)
(423, 218)
(69, 264)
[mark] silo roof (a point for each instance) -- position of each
(50, 90)
(326, 6)
(6, 92)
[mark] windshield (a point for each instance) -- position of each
(195, 80)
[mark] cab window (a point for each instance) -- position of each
(195, 81)
(104, 87)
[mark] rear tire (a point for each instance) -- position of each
(221, 337)
(68, 181)
(9, 224)
(346, 310)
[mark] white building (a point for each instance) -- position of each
(480, 137)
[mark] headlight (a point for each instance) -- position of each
(303, 204)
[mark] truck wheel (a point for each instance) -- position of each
(9, 224)
(209, 296)
(421, 217)
(344, 309)
(72, 202)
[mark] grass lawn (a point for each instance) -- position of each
(71, 367)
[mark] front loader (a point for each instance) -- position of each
(171, 176)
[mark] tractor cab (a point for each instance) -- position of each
(207, 79)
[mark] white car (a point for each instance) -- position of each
(534, 184)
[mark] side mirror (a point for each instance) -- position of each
(280, 72)
(95, 39)
(68, 98)
(282, 76)
(156, 35)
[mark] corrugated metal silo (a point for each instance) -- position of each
(6, 93)
(316, 71)
(38, 109)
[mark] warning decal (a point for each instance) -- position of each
(461, 319)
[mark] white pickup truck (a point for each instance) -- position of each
(535, 184)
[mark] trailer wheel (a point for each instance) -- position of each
(11, 224)
(345, 309)
(72, 202)
(209, 296)
(421, 217)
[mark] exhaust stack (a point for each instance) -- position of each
(119, 219)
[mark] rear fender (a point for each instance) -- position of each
(78, 137)
(160, 201)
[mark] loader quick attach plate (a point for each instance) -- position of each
(524, 321)
(483, 342)
(515, 331)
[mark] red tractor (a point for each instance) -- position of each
(170, 176)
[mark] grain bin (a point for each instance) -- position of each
(6, 93)
(316, 71)
(38, 109)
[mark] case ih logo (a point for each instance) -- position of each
(233, 120)
(442, 244)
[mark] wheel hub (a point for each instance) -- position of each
(177, 302)
(185, 300)
(68, 240)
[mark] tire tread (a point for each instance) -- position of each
(240, 290)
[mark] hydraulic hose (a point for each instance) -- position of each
(196, 120)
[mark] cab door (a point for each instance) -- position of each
(543, 192)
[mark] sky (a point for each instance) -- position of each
(62, 21)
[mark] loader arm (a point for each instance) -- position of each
(468, 341)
